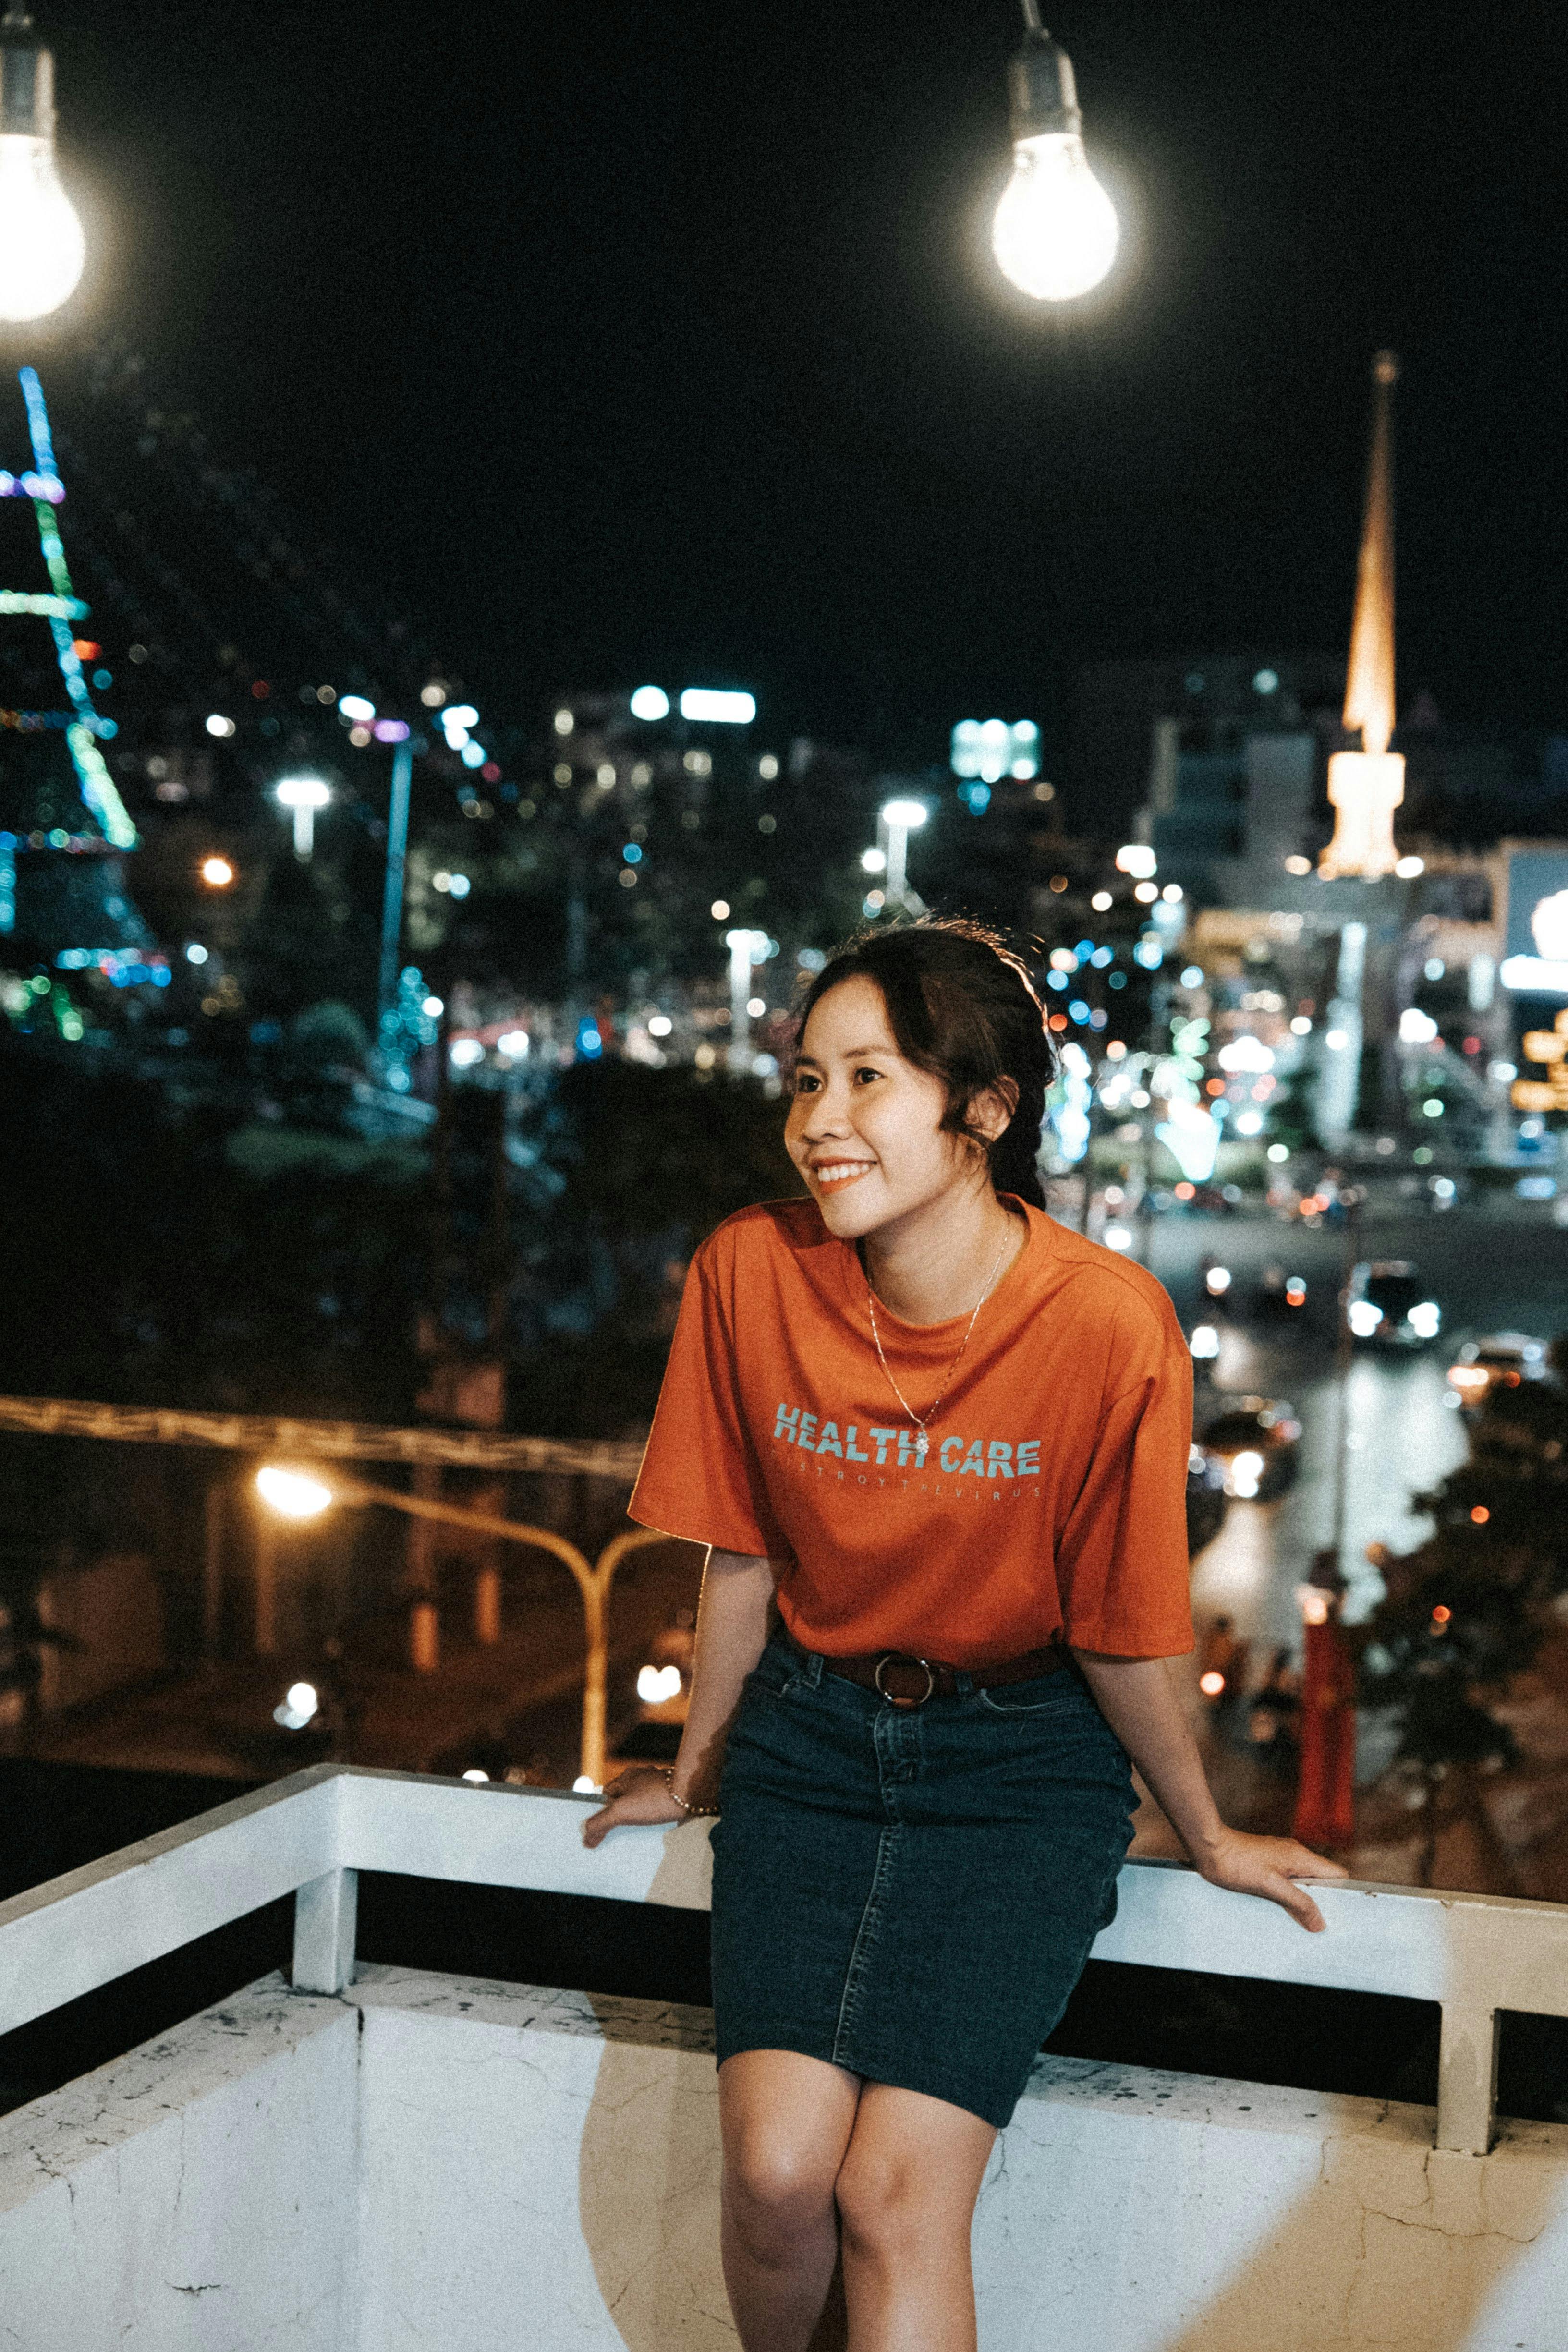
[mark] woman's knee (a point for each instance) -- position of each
(786, 2121)
(889, 2203)
(777, 2191)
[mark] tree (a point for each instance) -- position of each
(632, 1167)
(1291, 1115)
(1469, 1609)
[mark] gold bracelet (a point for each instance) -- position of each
(692, 1812)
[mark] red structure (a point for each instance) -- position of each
(1325, 1796)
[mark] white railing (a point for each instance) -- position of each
(309, 1836)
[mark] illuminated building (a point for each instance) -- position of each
(1549, 1047)
(1406, 970)
(1534, 947)
(1210, 755)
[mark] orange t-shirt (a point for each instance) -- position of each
(1047, 1497)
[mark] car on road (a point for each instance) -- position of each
(1253, 1443)
(1389, 1307)
(1203, 1199)
(1506, 1359)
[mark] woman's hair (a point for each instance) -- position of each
(961, 1007)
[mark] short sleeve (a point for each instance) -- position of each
(1121, 1558)
(700, 1477)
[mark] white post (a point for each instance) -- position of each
(325, 1914)
(1467, 2079)
(1339, 1066)
(899, 819)
(742, 946)
(898, 862)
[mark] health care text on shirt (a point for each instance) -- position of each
(983, 1458)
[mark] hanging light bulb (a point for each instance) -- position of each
(41, 245)
(1056, 231)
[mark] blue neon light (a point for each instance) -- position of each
(83, 724)
(38, 421)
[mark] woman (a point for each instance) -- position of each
(937, 1447)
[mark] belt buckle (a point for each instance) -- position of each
(898, 1657)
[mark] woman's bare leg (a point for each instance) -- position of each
(831, 2333)
(786, 2122)
(906, 2197)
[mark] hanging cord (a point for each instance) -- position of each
(1032, 16)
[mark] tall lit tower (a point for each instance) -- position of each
(61, 819)
(1366, 786)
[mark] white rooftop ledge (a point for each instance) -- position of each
(407, 2159)
(1472, 1953)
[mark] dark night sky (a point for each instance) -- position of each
(634, 341)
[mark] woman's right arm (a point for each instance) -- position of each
(731, 1629)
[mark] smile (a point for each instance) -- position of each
(834, 1174)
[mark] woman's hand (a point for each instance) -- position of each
(1270, 1866)
(733, 1618)
(640, 1795)
(1138, 1701)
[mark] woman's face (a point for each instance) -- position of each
(865, 1125)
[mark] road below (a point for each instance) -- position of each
(1503, 1268)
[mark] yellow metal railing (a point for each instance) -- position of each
(428, 1449)
(593, 1580)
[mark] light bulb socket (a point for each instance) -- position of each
(27, 80)
(1041, 89)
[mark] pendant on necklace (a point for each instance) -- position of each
(918, 1420)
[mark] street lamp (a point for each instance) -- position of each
(1056, 232)
(745, 948)
(391, 885)
(42, 249)
(299, 1494)
(293, 1493)
(304, 795)
(900, 819)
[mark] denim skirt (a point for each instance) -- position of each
(911, 1893)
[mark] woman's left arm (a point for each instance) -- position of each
(1136, 1698)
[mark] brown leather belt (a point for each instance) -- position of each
(906, 1682)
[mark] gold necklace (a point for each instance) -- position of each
(922, 1421)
